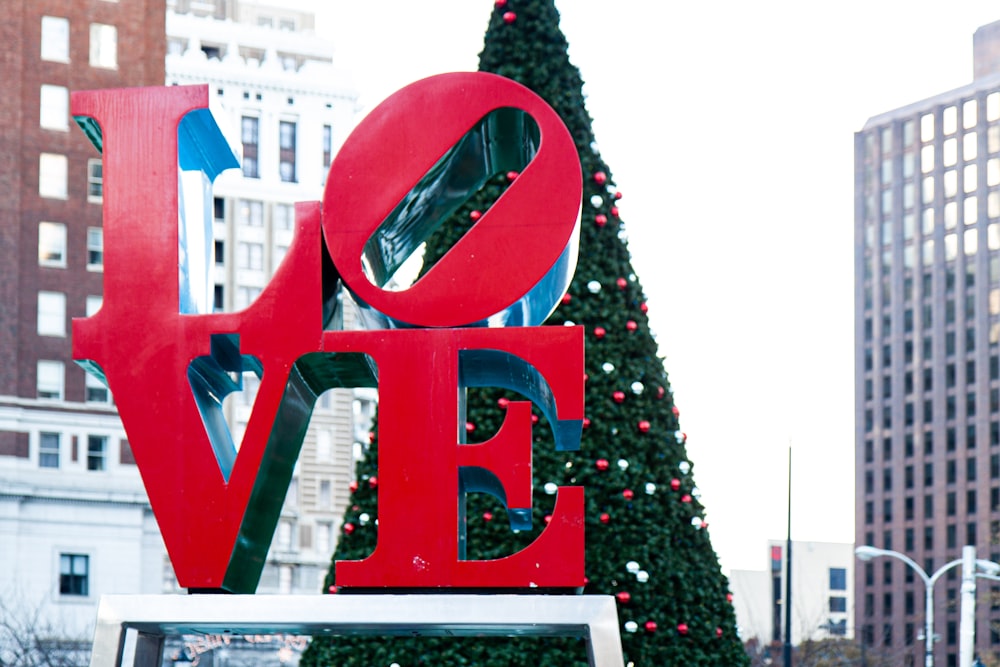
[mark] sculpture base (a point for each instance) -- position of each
(153, 617)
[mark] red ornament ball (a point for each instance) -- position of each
(605, 517)
(619, 396)
(618, 195)
(331, 589)
(503, 401)
(624, 597)
(475, 215)
(599, 332)
(548, 519)
(628, 494)
(675, 484)
(487, 516)
(650, 626)
(643, 307)
(566, 298)
(718, 632)
(729, 597)
(371, 436)
(509, 17)
(373, 481)
(631, 325)
(586, 422)
(682, 628)
(469, 427)
(614, 211)
(500, 3)
(511, 175)
(676, 411)
(600, 219)
(686, 498)
(534, 419)
(348, 528)
(601, 464)
(353, 486)
(622, 283)
(644, 426)
(600, 177)
(660, 392)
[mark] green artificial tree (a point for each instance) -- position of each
(647, 541)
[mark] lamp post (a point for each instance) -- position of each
(866, 553)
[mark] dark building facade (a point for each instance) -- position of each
(50, 212)
(927, 359)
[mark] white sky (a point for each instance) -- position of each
(729, 128)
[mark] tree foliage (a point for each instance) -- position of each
(646, 534)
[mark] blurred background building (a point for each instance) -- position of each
(927, 355)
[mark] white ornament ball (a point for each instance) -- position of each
(608, 367)
(363, 519)
(597, 201)
(623, 464)
(594, 287)
(631, 626)
(550, 488)
(650, 488)
(696, 521)
(642, 576)
(632, 566)
(696, 493)
(637, 388)
(684, 467)
(569, 323)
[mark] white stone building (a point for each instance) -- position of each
(822, 594)
(285, 108)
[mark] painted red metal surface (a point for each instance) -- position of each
(217, 518)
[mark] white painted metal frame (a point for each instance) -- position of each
(153, 617)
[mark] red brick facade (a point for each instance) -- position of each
(141, 44)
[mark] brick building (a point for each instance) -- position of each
(927, 358)
(74, 520)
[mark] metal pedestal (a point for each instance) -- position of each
(153, 617)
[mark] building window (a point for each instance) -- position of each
(95, 248)
(48, 450)
(250, 213)
(97, 452)
(53, 107)
(838, 628)
(327, 145)
(250, 133)
(323, 532)
(51, 314)
(250, 256)
(838, 603)
(325, 495)
(96, 391)
(284, 217)
(55, 39)
(286, 139)
(95, 180)
(49, 379)
(52, 171)
(103, 46)
(838, 579)
(52, 244)
(74, 574)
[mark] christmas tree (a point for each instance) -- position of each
(647, 539)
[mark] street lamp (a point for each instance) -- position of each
(866, 553)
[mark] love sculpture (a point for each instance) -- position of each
(471, 320)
